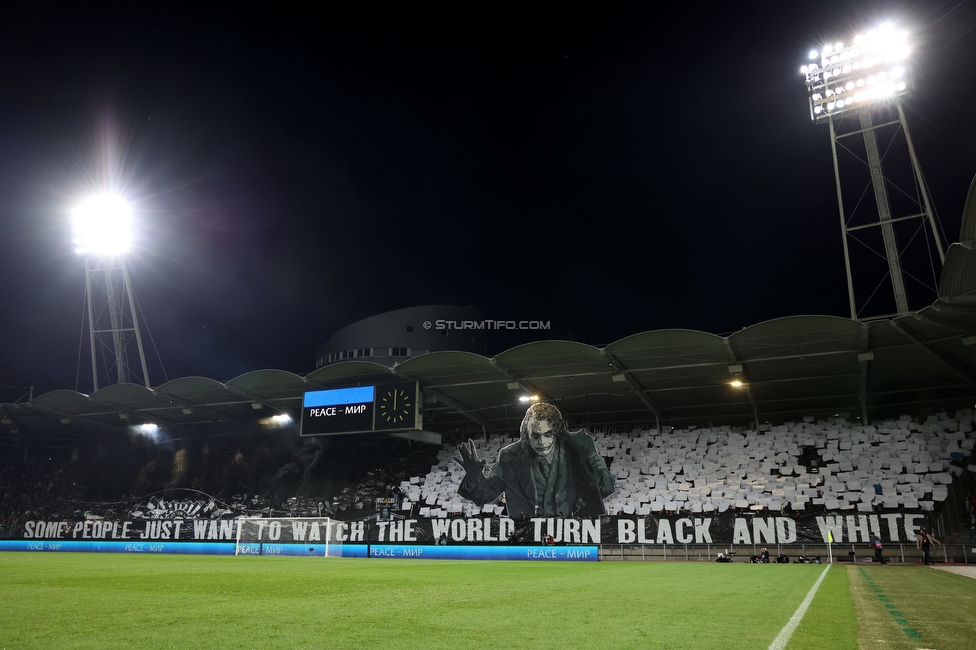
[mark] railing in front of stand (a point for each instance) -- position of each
(904, 553)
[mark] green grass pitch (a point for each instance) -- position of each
(77, 600)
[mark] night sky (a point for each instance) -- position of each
(610, 170)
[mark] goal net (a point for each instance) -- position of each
(286, 536)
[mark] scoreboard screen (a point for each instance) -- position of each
(362, 409)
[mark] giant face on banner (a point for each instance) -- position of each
(549, 472)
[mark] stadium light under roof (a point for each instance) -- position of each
(871, 68)
(279, 420)
(102, 225)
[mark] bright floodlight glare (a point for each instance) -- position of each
(857, 74)
(279, 420)
(149, 430)
(735, 383)
(102, 225)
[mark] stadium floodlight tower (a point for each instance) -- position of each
(102, 234)
(856, 88)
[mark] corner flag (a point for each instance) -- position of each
(830, 537)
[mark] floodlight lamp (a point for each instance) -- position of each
(102, 225)
(873, 58)
(736, 383)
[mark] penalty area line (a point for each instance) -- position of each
(779, 643)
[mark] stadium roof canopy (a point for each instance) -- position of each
(789, 368)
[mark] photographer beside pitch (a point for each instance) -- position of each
(549, 472)
(924, 541)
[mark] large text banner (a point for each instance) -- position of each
(725, 529)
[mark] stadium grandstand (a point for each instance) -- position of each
(793, 416)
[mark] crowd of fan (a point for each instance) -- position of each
(35, 490)
(354, 477)
(810, 465)
(254, 477)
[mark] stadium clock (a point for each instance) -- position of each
(396, 406)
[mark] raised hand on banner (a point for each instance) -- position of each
(467, 458)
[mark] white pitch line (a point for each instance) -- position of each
(779, 643)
